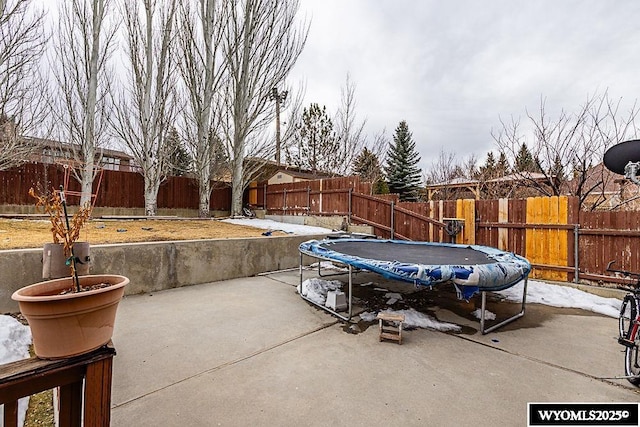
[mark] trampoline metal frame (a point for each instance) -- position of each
(483, 320)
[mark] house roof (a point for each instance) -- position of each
(303, 175)
(519, 176)
(455, 182)
(51, 143)
(466, 182)
(271, 168)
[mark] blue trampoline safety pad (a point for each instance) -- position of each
(471, 268)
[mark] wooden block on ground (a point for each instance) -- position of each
(389, 331)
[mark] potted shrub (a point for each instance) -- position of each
(75, 314)
(56, 259)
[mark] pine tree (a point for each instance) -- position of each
(367, 167)
(317, 142)
(524, 161)
(502, 167)
(179, 159)
(488, 171)
(403, 174)
(556, 171)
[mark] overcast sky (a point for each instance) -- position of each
(451, 69)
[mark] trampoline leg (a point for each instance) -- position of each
(506, 321)
(300, 271)
(350, 291)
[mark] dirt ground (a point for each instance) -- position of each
(30, 233)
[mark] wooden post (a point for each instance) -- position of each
(31, 376)
(503, 216)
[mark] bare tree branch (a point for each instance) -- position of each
(262, 42)
(350, 132)
(146, 108)
(85, 40)
(203, 71)
(22, 109)
(568, 147)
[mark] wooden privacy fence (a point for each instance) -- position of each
(319, 197)
(562, 242)
(118, 188)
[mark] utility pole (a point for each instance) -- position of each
(278, 97)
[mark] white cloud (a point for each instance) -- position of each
(451, 69)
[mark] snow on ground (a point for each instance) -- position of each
(537, 292)
(269, 225)
(477, 313)
(14, 345)
(414, 319)
(563, 296)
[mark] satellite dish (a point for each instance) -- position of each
(618, 156)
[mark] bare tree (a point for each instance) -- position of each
(379, 145)
(350, 131)
(567, 148)
(22, 108)
(83, 47)
(452, 177)
(288, 127)
(261, 44)
(145, 111)
(202, 68)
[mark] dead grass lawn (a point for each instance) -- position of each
(28, 233)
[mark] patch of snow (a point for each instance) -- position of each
(563, 296)
(267, 224)
(413, 318)
(477, 313)
(368, 316)
(394, 295)
(15, 339)
(392, 301)
(381, 289)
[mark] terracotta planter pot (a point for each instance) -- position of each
(74, 323)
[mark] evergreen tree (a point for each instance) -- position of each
(367, 167)
(502, 167)
(488, 170)
(524, 161)
(179, 159)
(556, 171)
(317, 142)
(402, 171)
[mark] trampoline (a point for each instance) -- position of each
(471, 268)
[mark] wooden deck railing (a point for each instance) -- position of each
(30, 376)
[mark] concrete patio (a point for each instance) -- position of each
(252, 352)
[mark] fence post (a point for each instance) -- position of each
(393, 221)
(308, 201)
(350, 207)
(284, 201)
(576, 252)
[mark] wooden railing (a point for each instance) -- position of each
(34, 375)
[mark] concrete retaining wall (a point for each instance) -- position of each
(162, 265)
